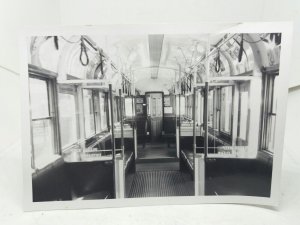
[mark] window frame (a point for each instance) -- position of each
(241, 141)
(217, 114)
(268, 114)
(62, 89)
(97, 94)
(226, 134)
(93, 114)
(52, 94)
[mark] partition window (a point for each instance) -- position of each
(226, 109)
(211, 108)
(189, 106)
(128, 107)
(97, 112)
(116, 107)
(103, 112)
(67, 116)
(243, 116)
(89, 118)
(182, 105)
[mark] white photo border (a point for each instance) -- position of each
(248, 27)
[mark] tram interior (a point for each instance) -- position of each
(156, 115)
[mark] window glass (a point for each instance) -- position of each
(103, 114)
(211, 108)
(226, 105)
(38, 98)
(182, 105)
(97, 112)
(243, 115)
(89, 120)
(116, 106)
(42, 133)
(67, 119)
(269, 114)
(128, 107)
(43, 146)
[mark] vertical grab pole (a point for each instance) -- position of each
(194, 123)
(179, 107)
(196, 180)
(121, 122)
(119, 160)
(134, 126)
(176, 122)
(199, 159)
(205, 119)
(112, 122)
(112, 136)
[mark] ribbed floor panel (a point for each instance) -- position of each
(156, 150)
(161, 184)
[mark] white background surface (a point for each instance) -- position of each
(18, 13)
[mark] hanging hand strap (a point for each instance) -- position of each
(83, 50)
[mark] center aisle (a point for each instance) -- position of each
(160, 183)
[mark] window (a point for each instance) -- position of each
(116, 107)
(243, 116)
(42, 121)
(95, 114)
(88, 107)
(189, 106)
(128, 107)
(268, 113)
(211, 108)
(226, 106)
(39, 98)
(182, 105)
(214, 108)
(67, 116)
(96, 101)
(103, 113)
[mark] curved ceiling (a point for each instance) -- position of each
(153, 56)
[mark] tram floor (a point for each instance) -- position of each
(161, 183)
(156, 149)
(162, 177)
(244, 184)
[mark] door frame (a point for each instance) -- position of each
(163, 110)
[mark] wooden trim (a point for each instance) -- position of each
(40, 72)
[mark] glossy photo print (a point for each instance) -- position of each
(156, 114)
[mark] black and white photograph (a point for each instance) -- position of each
(152, 117)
